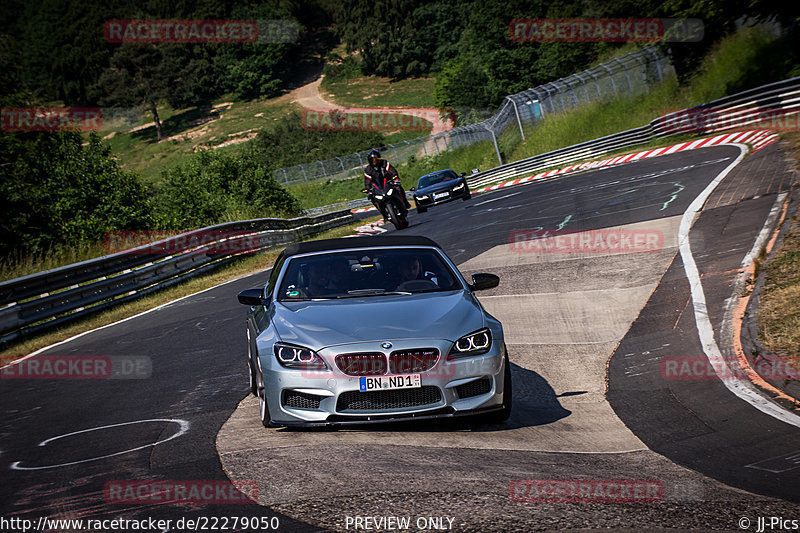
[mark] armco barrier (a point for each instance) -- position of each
(745, 110)
(739, 111)
(56, 296)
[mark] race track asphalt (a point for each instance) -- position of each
(580, 413)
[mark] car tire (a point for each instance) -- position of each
(263, 407)
(498, 417)
(467, 195)
(252, 372)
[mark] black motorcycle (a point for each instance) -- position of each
(390, 203)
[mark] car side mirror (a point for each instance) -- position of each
(482, 281)
(463, 174)
(252, 297)
(412, 189)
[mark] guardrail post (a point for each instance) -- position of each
(324, 175)
(571, 88)
(611, 76)
(583, 81)
(496, 148)
(657, 61)
(303, 168)
(596, 82)
(627, 74)
(643, 67)
(535, 91)
(560, 96)
(519, 122)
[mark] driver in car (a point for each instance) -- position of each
(319, 280)
(410, 269)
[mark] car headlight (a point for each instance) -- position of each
(476, 343)
(458, 187)
(423, 197)
(292, 356)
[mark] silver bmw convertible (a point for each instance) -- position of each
(373, 329)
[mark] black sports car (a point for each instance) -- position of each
(438, 187)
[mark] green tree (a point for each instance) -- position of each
(54, 191)
(210, 184)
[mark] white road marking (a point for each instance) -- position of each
(742, 389)
(495, 199)
(776, 465)
(184, 427)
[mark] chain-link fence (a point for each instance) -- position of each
(629, 74)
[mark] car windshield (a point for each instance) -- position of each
(436, 177)
(366, 272)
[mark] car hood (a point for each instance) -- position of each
(439, 315)
(438, 187)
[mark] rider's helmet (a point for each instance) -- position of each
(373, 157)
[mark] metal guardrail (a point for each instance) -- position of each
(53, 297)
(772, 102)
(631, 73)
(740, 110)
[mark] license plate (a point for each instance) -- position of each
(441, 195)
(410, 381)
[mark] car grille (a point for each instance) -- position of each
(408, 361)
(474, 388)
(388, 399)
(300, 400)
(362, 364)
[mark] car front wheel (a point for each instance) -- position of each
(498, 417)
(263, 406)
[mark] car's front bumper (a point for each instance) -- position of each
(452, 195)
(324, 398)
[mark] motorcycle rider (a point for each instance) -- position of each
(378, 172)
